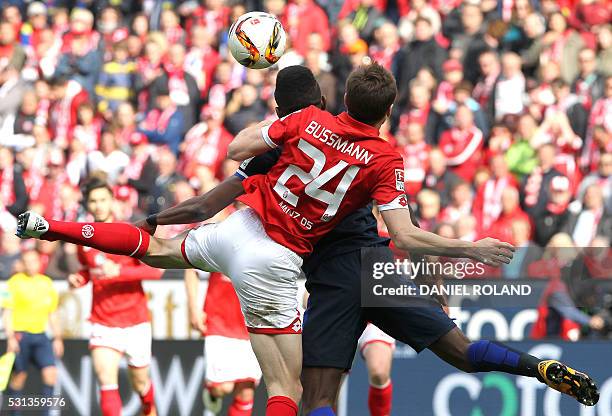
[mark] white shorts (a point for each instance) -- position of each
(133, 341)
(373, 334)
(263, 272)
(229, 360)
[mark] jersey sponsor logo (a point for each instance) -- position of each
(326, 136)
(87, 231)
(245, 163)
(399, 179)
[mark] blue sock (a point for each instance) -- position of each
(493, 356)
(47, 390)
(13, 393)
(322, 411)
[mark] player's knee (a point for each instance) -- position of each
(379, 377)
(49, 375)
(18, 380)
(141, 384)
(245, 391)
(221, 390)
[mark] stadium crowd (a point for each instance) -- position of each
(504, 113)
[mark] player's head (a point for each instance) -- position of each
(99, 199)
(370, 92)
(31, 262)
(296, 88)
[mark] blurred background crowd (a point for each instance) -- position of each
(504, 113)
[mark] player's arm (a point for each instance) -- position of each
(250, 142)
(201, 208)
(406, 236)
(388, 191)
(266, 135)
(197, 317)
(197, 209)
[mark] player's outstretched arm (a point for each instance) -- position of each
(248, 143)
(197, 209)
(407, 236)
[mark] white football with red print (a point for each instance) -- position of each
(257, 40)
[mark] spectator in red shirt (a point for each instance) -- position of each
(463, 144)
(419, 109)
(303, 17)
(386, 45)
(119, 314)
(488, 202)
(414, 150)
(170, 25)
(510, 213)
(202, 58)
(66, 97)
(206, 144)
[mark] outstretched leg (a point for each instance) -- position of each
(280, 359)
(482, 356)
(113, 238)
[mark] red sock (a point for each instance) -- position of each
(110, 401)
(113, 238)
(240, 408)
(148, 400)
(379, 400)
(281, 406)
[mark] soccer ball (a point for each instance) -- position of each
(257, 40)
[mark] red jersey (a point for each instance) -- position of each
(329, 167)
(118, 301)
(416, 164)
(463, 151)
(222, 308)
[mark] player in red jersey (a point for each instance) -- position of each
(231, 365)
(329, 167)
(119, 314)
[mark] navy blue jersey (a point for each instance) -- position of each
(356, 230)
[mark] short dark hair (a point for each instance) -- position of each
(94, 183)
(559, 83)
(370, 91)
(58, 81)
(296, 88)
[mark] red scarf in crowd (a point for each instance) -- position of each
(601, 115)
(484, 88)
(134, 169)
(415, 165)
(158, 120)
(491, 200)
(34, 181)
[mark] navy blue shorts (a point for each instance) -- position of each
(35, 349)
(335, 318)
